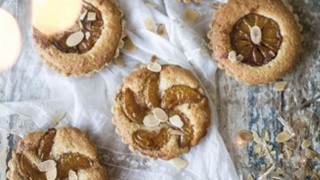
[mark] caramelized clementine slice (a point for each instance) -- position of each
(45, 144)
(151, 140)
(71, 161)
(179, 94)
(263, 52)
(151, 91)
(131, 108)
(27, 170)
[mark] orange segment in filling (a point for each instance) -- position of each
(256, 54)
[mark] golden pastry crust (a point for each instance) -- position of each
(105, 49)
(198, 113)
(66, 140)
(225, 19)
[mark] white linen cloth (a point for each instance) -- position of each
(33, 94)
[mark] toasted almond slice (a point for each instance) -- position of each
(310, 153)
(160, 114)
(280, 86)
(283, 137)
(75, 39)
(154, 67)
(83, 15)
(149, 24)
(245, 135)
(151, 5)
(257, 148)
(91, 16)
(266, 136)
(51, 174)
(87, 35)
(305, 143)
(232, 56)
(290, 145)
(191, 15)
(128, 45)
(176, 121)
(255, 34)
(179, 163)
(281, 156)
(47, 165)
(119, 61)
(58, 118)
(72, 175)
(288, 153)
(161, 29)
(256, 137)
(151, 121)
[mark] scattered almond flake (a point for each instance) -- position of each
(255, 34)
(176, 121)
(154, 67)
(160, 114)
(305, 143)
(83, 15)
(281, 156)
(161, 29)
(250, 177)
(197, 1)
(257, 148)
(273, 153)
(154, 58)
(51, 174)
(74, 28)
(245, 135)
(234, 58)
(91, 16)
(87, 35)
(187, 1)
(58, 118)
(270, 147)
(279, 171)
(215, 5)
(191, 15)
(310, 153)
(179, 163)
(149, 24)
(288, 153)
(150, 121)
(283, 137)
(290, 145)
(280, 86)
(266, 136)
(72, 175)
(128, 45)
(256, 137)
(46, 165)
(151, 5)
(119, 61)
(75, 39)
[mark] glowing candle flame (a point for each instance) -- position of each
(10, 40)
(54, 16)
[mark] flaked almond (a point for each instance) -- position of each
(215, 5)
(280, 86)
(310, 153)
(257, 148)
(151, 5)
(160, 114)
(290, 145)
(87, 35)
(83, 15)
(283, 137)
(128, 45)
(234, 58)
(255, 34)
(281, 156)
(149, 24)
(58, 118)
(245, 135)
(161, 29)
(119, 61)
(72, 175)
(154, 67)
(266, 136)
(176, 121)
(91, 16)
(256, 137)
(179, 163)
(51, 174)
(75, 39)
(150, 121)
(305, 143)
(191, 15)
(47, 165)
(288, 153)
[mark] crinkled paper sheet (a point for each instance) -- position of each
(32, 94)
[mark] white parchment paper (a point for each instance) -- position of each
(32, 94)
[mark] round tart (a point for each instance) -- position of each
(257, 41)
(161, 111)
(59, 153)
(89, 45)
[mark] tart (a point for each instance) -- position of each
(256, 41)
(54, 154)
(161, 111)
(89, 45)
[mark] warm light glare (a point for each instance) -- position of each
(54, 16)
(240, 143)
(10, 40)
